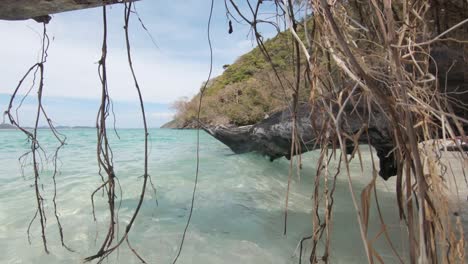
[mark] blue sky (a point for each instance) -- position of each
(175, 68)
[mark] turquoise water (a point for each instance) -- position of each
(239, 207)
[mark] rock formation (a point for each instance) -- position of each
(272, 136)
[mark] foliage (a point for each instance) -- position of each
(248, 89)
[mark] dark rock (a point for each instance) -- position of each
(272, 136)
(450, 65)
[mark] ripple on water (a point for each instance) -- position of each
(239, 207)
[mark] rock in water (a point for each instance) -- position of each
(272, 136)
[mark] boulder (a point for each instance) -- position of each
(272, 136)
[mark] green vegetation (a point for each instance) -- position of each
(248, 90)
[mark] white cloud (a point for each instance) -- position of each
(71, 69)
(162, 115)
(178, 68)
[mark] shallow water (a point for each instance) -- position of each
(239, 206)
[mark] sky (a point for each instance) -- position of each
(173, 67)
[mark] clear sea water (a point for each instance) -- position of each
(239, 206)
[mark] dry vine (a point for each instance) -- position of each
(384, 48)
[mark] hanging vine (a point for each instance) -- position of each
(37, 153)
(105, 152)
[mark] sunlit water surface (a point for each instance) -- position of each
(239, 206)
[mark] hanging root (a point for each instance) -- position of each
(105, 153)
(36, 150)
(192, 204)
